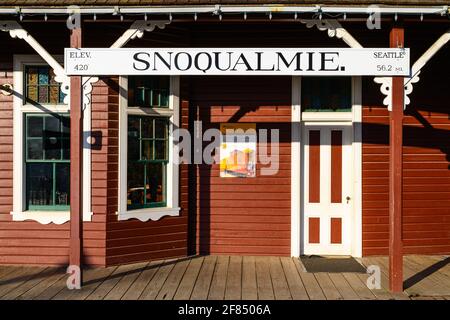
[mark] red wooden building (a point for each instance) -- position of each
(358, 175)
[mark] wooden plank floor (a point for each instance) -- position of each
(227, 277)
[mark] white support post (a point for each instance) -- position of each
(296, 149)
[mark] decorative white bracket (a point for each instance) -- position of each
(86, 83)
(334, 29)
(137, 29)
(385, 88)
(17, 31)
(386, 82)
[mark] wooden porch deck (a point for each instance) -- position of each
(226, 277)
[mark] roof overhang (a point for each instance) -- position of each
(229, 9)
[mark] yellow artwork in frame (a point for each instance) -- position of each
(238, 150)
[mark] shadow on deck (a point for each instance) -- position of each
(227, 277)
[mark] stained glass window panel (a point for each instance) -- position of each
(54, 95)
(43, 94)
(32, 76)
(52, 77)
(32, 93)
(41, 86)
(61, 97)
(43, 76)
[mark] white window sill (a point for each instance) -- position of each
(327, 116)
(148, 214)
(46, 217)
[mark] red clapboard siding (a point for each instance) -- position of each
(241, 215)
(426, 166)
(131, 240)
(30, 242)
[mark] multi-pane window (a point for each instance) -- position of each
(41, 87)
(148, 188)
(326, 94)
(147, 161)
(47, 161)
(148, 91)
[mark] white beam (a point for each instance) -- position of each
(435, 47)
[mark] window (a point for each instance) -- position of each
(147, 161)
(47, 164)
(149, 110)
(41, 142)
(148, 92)
(41, 87)
(326, 94)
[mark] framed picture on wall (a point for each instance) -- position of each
(238, 150)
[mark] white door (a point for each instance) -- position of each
(327, 189)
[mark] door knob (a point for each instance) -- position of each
(347, 198)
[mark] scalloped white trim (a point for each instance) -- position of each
(148, 214)
(46, 217)
(334, 29)
(136, 30)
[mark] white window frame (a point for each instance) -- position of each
(19, 179)
(172, 187)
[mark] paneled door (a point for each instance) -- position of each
(327, 189)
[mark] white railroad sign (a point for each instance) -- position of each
(238, 61)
